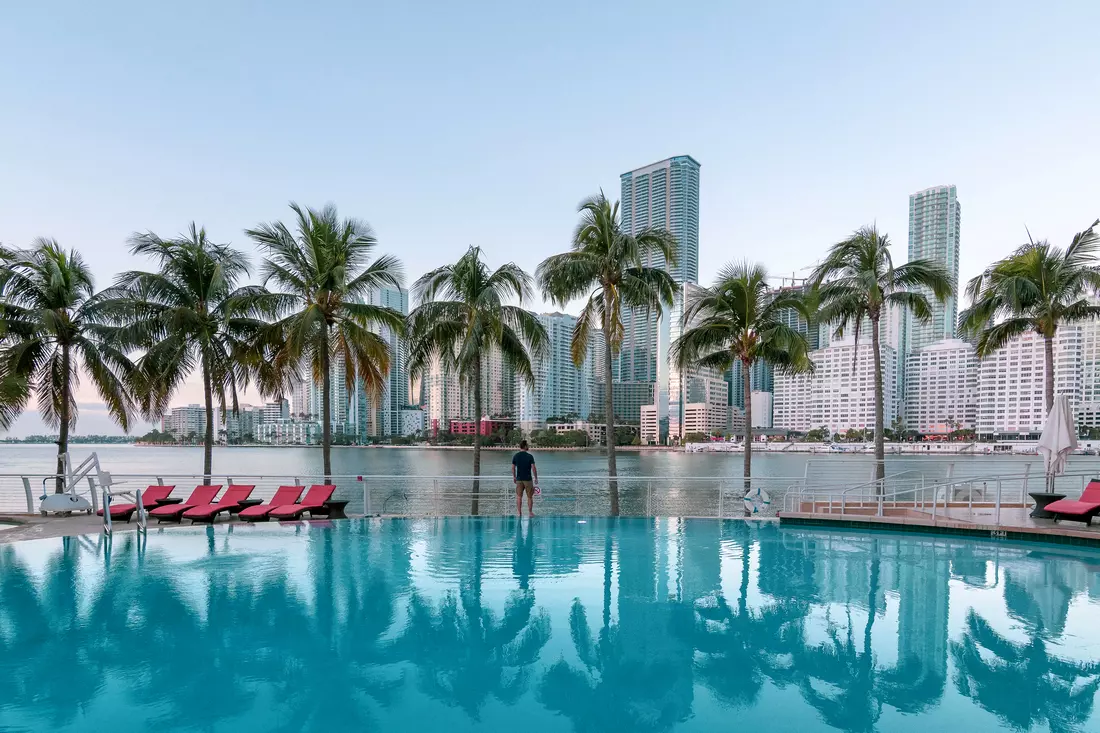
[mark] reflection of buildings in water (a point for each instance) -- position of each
(700, 550)
(787, 566)
(921, 571)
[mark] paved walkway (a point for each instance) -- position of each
(1015, 519)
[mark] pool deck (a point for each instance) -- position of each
(1008, 522)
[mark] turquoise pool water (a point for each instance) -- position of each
(550, 625)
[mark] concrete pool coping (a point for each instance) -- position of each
(31, 527)
(1017, 528)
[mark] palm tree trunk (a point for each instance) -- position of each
(477, 435)
(1048, 348)
(746, 391)
(609, 411)
(208, 437)
(63, 433)
(326, 406)
(880, 427)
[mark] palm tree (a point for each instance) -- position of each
(740, 320)
(189, 315)
(51, 330)
(857, 281)
(462, 317)
(1036, 288)
(323, 272)
(1022, 683)
(612, 269)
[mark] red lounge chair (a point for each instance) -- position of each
(1079, 510)
(315, 500)
(149, 499)
(232, 497)
(201, 496)
(284, 496)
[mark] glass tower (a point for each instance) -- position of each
(934, 219)
(662, 195)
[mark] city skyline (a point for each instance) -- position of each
(790, 165)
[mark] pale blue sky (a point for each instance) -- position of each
(446, 124)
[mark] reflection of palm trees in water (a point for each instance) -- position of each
(634, 675)
(464, 652)
(1022, 684)
(838, 677)
(45, 665)
(742, 648)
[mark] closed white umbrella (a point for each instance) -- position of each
(1058, 440)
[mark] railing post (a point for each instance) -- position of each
(722, 495)
(30, 497)
(143, 524)
(648, 498)
(91, 490)
(107, 528)
(160, 481)
(998, 515)
(366, 499)
(1027, 476)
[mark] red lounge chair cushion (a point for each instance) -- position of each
(286, 495)
(315, 499)
(201, 496)
(233, 496)
(149, 498)
(1070, 506)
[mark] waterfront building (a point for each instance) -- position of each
(241, 426)
(840, 394)
(649, 426)
(761, 409)
(596, 431)
(383, 418)
(185, 420)
(489, 426)
(942, 392)
(934, 220)
(1088, 410)
(560, 388)
(276, 410)
(412, 421)
(289, 432)
(663, 195)
(628, 399)
(706, 408)
(1011, 383)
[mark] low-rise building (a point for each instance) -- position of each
(649, 432)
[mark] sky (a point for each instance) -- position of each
(449, 124)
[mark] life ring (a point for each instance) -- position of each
(757, 500)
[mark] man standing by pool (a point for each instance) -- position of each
(525, 474)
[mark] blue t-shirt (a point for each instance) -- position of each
(523, 462)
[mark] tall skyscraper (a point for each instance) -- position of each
(559, 386)
(934, 220)
(663, 195)
(384, 418)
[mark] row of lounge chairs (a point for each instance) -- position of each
(201, 506)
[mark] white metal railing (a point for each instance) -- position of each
(936, 498)
(448, 494)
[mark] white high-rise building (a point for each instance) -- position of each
(559, 388)
(838, 395)
(762, 409)
(1011, 382)
(942, 392)
(184, 420)
(1088, 411)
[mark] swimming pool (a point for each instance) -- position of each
(558, 624)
